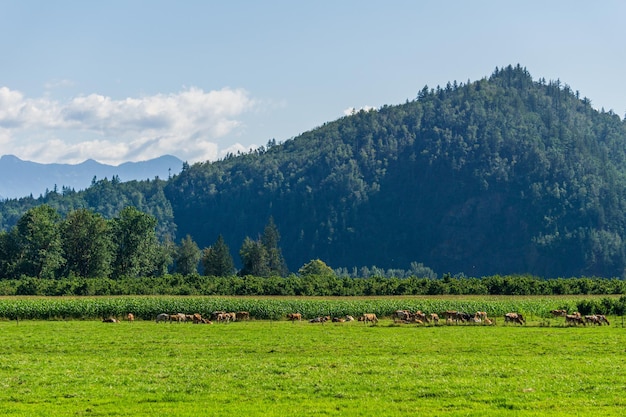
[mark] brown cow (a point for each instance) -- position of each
(130, 317)
(514, 317)
(242, 315)
(402, 315)
(197, 318)
(178, 317)
(574, 319)
(419, 316)
(602, 319)
(434, 317)
(294, 316)
(558, 313)
(369, 317)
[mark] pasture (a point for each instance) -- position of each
(279, 368)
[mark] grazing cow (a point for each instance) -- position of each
(514, 317)
(481, 315)
(602, 319)
(434, 317)
(558, 313)
(419, 316)
(294, 316)
(593, 319)
(197, 318)
(215, 314)
(242, 315)
(488, 321)
(349, 317)
(178, 317)
(110, 320)
(369, 317)
(338, 320)
(163, 317)
(574, 319)
(402, 315)
(320, 319)
(449, 314)
(130, 317)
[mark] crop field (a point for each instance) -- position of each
(268, 367)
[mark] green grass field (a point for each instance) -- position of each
(276, 368)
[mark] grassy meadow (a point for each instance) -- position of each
(278, 368)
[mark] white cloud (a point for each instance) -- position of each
(187, 124)
(352, 110)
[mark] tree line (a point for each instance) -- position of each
(85, 244)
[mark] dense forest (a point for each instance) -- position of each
(505, 175)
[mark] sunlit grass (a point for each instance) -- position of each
(284, 369)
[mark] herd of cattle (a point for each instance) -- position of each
(400, 316)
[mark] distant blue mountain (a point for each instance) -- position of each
(20, 178)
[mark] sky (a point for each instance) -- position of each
(132, 80)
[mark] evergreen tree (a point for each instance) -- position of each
(270, 238)
(216, 259)
(187, 257)
(254, 258)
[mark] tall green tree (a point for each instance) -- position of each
(135, 243)
(254, 258)
(39, 243)
(270, 238)
(87, 244)
(217, 260)
(8, 254)
(187, 257)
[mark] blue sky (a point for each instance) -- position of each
(131, 80)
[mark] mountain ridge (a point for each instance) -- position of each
(22, 178)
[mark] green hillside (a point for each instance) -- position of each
(498, 176)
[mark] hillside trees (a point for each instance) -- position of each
(187, 257)
(217, 260)
(263, 257)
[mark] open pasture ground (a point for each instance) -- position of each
(279, 368)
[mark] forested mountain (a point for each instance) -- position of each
(498, 176)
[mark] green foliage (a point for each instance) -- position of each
(135, 243)
(187, 257)
(86, 241)
(502, 175)
(38, 242)
(216, 259)
(315, 267)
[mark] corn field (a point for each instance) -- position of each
(147, 308)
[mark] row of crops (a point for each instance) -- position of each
(147, 308)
